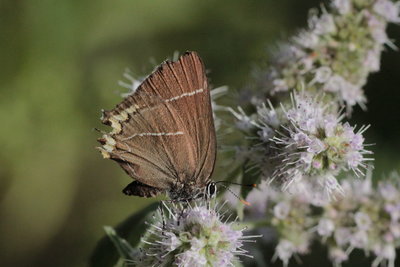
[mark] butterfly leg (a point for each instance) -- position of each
(162, 216)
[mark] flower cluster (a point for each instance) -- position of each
(315, 144)
(336, 52)
(130, 83)
(191, 236)
(322, 69)
(307, 141)
(367, 219)
(303, 145)
(290, 218)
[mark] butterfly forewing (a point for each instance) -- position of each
(163, 134)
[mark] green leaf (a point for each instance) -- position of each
(125, 250)
(106, 254)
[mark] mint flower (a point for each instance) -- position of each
(314, 75)
(314, 144)
(290, 217)
(325, 227)
(388, 10)
(191, 236)
(296, 138)
(215, 94)
(365, 218)
(343, 6)
(130, 83)
(317, 58)
(284, 251)
(306, 141)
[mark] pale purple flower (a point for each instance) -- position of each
(394, 210)
(284, 250)
(354, 220)
(301, 139)
(384, 253)
(307, 159)
(330, 122)
(334, 84)
(224, 258)
(378, 29)
(338, 255)
(201, 216)
(387, 9)
(395, 229)
(315, 143)
(362, 220)
(342, 236)
(325, 227)
(191, 236)
(243, 122)
(132, 83)
(190, 258)
(354, 159)
(316, 146)
(325, 24)
(352, 94)
(268, 122)
(373, 60)
(307, 63)
(171, 241)
(343, 6)
(388, 252)
(268, 116)
(322, 74)
(306, 39)
(331, 186)
(259, 198)
(349, 93)
(215, 94)
(280, 85)
(266, 133)
(359, 239)
(364, 187)
(388, 191)
(281, 210)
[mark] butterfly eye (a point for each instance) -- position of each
(211, 190)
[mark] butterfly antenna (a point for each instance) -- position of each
(227, 182)
(236, 195)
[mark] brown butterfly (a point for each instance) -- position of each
(163, 134)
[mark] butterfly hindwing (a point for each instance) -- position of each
(151, 143)
(163, 134)
(186, 82)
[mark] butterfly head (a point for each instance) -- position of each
(188, 192)
(211, 190)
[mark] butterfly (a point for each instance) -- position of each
(163, 134)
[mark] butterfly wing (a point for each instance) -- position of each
(163, 134)
(138, 189)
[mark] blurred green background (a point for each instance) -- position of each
(59, 66)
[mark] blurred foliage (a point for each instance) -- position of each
(60, 61)
(113, 245)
